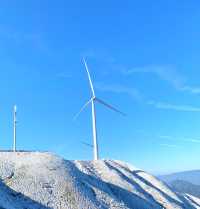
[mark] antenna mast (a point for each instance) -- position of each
(15, 124)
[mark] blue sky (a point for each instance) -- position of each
(144, 59)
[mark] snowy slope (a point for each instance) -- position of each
(43, 180)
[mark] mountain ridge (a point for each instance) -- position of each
(192, 176)
(186, 187)
(44, 180)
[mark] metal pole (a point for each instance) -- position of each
(15, 124)
(96, 151)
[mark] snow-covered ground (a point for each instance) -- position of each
(44, 180)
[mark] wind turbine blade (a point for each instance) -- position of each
(89, 77)
(84, 106)
(109, 106)
(87, 144)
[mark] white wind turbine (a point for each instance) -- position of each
(93, 101)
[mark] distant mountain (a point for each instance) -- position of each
(185, 187)
(189, 176)
(34, 180)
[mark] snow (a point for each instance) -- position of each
(43, 180)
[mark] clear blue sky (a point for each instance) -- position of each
(144, 59)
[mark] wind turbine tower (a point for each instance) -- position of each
(93, 101)
(15, 130)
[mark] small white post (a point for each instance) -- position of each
(15, 131)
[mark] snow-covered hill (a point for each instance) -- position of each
(43, 180)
